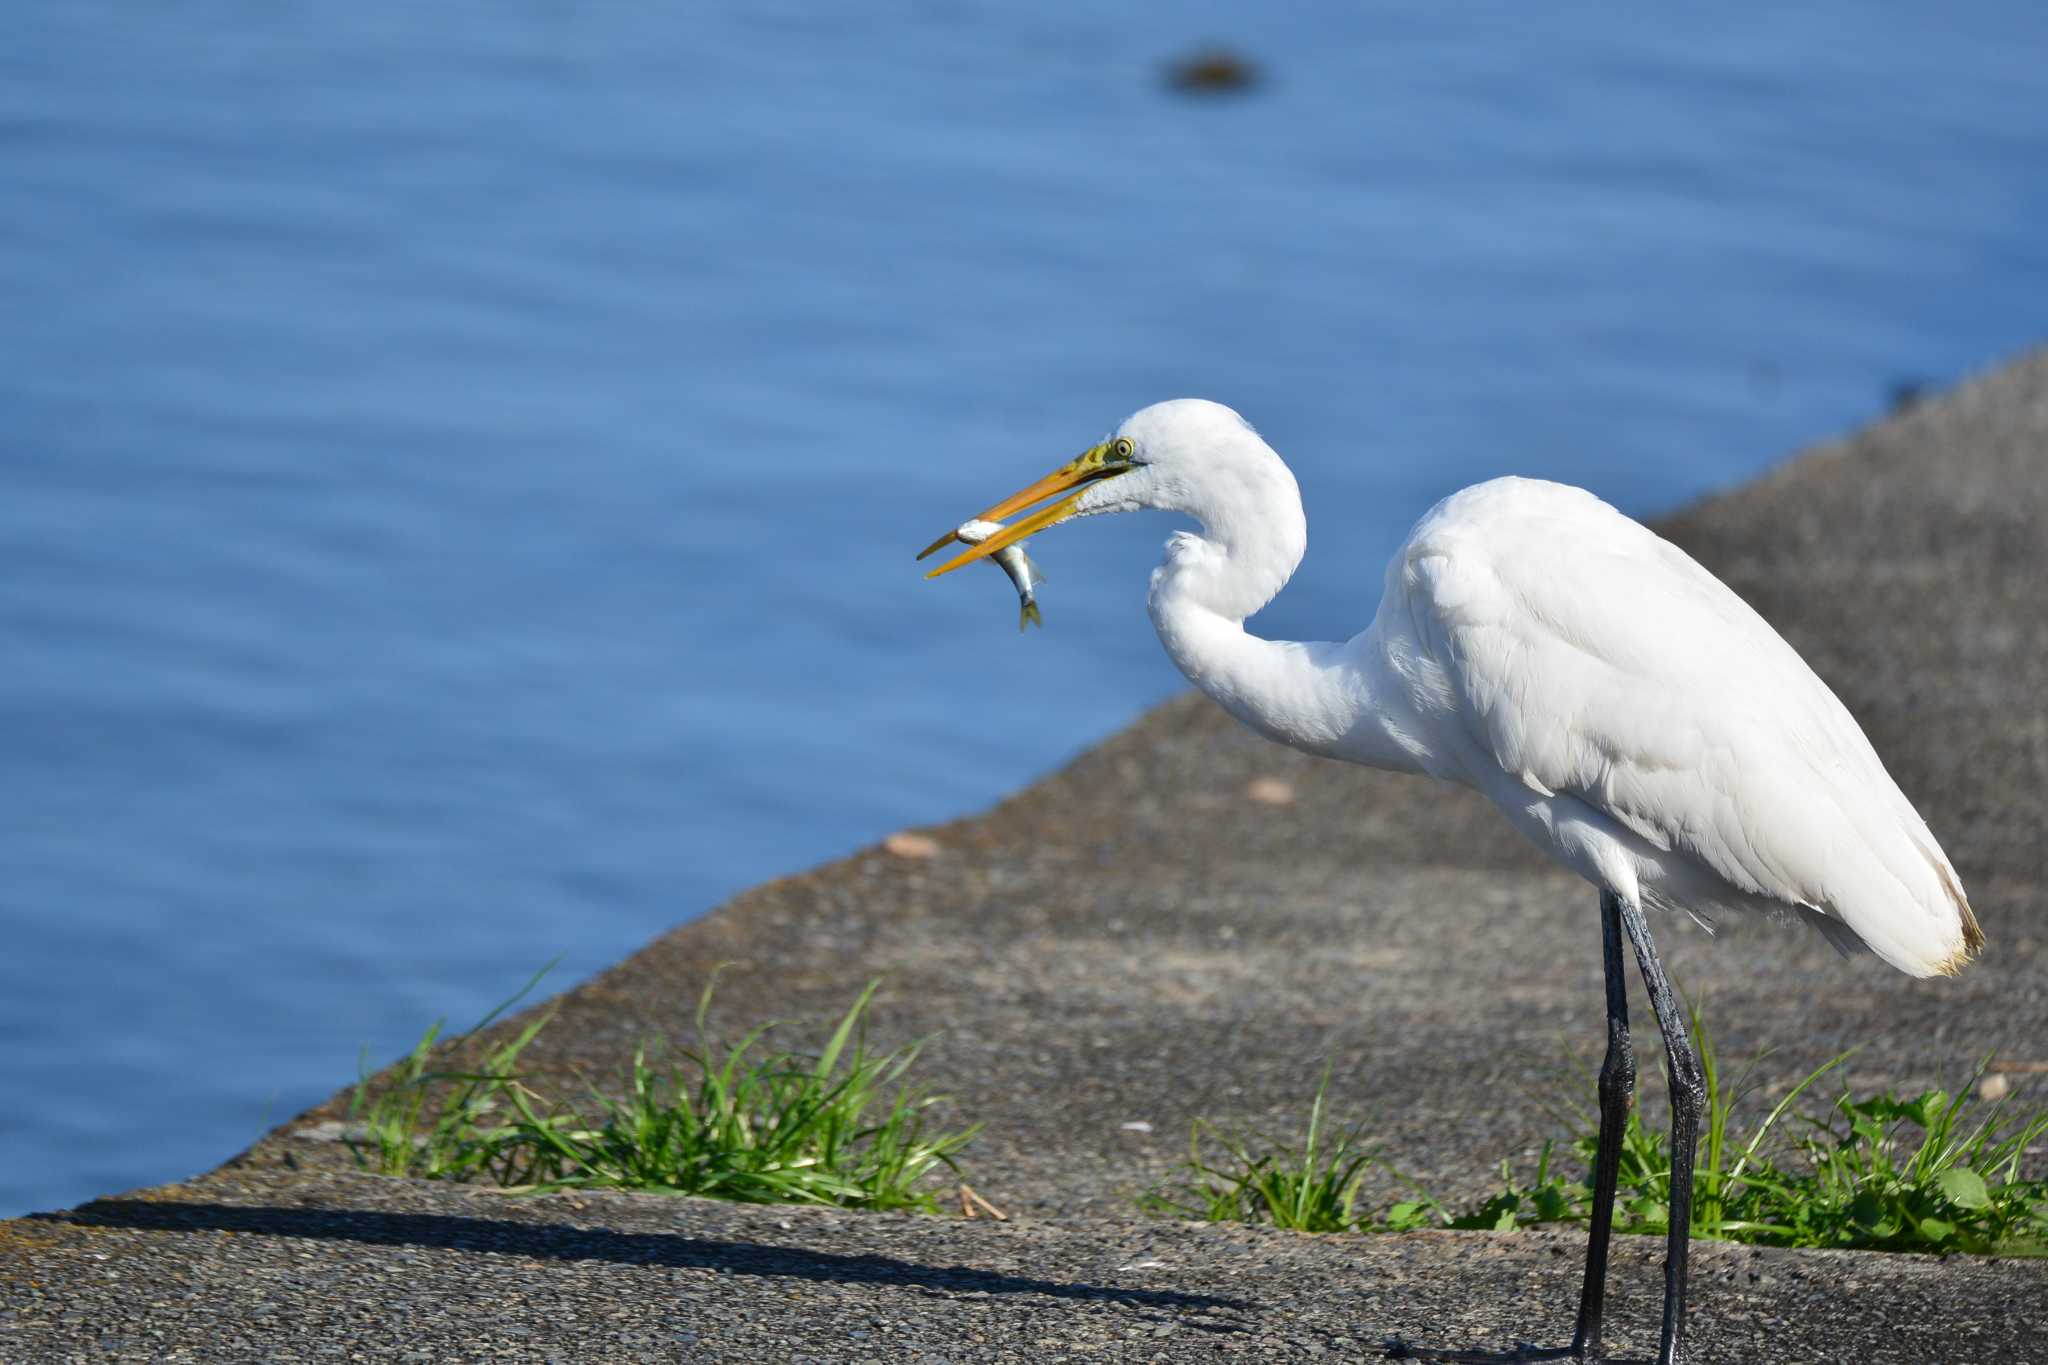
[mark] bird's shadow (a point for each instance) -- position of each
(567, 1242)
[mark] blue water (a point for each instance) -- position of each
(461, 463)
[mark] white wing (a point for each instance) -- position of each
(1585, 656)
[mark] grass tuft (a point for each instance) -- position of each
(1935, 1172)
(735, 1121)
(433, 1124)
(1310, 1188)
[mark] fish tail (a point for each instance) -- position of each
(1027, 615)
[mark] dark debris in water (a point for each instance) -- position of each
(1212, 71)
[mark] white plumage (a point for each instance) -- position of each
(1621, 706)
(1632, 715)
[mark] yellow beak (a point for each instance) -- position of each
(1092, 465)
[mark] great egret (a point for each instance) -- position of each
(1621, 706)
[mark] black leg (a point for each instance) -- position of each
(1617, 1088)
(1688, 1088)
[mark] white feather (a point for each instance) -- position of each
(1621, 706)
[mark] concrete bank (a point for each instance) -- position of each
(1137, 940)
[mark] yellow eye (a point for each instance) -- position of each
(1122, 448)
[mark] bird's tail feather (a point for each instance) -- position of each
(1973, 934)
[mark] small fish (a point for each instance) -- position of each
(1024, 572)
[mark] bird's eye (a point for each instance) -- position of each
(1122, 448)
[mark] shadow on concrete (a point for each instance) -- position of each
(566, 1242)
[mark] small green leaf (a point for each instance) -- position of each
(1964, 1188)
(1937, 1230)
(1925, 1109)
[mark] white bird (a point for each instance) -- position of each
(1621, 706)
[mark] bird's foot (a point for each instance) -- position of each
(1398, 1349)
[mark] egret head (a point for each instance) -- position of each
(1184, 455)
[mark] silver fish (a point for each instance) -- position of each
(1025, 575)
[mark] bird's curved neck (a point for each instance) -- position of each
(1324, 697)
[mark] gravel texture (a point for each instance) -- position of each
(263, 1265)
(1189, 921)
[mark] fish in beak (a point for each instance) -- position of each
(1105, 461)
(1023, 571)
